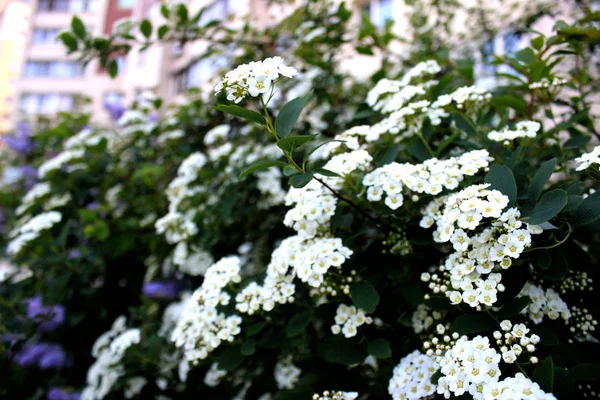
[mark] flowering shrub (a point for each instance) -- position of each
(439, 239)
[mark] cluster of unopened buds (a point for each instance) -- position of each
(438, 345)
(334, 285)
(335, 395)
(514, 341)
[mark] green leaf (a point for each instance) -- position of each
(589, 210)
(548, 207)
(297, 324)
(182, 12)
(526, 55)
(472, 323)
(380, 348)
(301, 180)
(538, 42)
(78, 27)
(113, 68)
(68, 40)
(165, 11)
(543, 260)
(308, 153)
(563, 383)
(261, 165)
(501, 178)
(231, 358)
(586, 372)
(463, 124)
(364, 50)
(162, 31)
(436, 377)
(364, 296)
(287, 117)
(326, 172)
(573, 203)
(289, 171)
(255, 328)
(544, 374)
(540, 178)
(513, 102)
(290, 143)
(248, 347)
(548, 338)
(146, 28)
(342, 351)
(241, 112)
(514, 307)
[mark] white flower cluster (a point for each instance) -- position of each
(191, 260)
(477, 255)
(468, 98)
(544, 302)
(314, 205)
(214, 375)
(335, 395)
(518, 387)
(523, 129)
(108, 350)
(134, 386)
(58, 161)
(348, 319)
(172, 314)
(587, 159)
(31, 230)
(423, 318)
(309, 260)
(515, 341)
(254, 79)
(36, 192)
(176, 227)
(390, 95)
(286, 374)
(412, 377)
(201, 328)
(546, 83)
(430, 177)
(471, 366)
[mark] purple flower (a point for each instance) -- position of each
(75, 253)
(21, 141)
(161, 290)
(45, 355)
(60, 394)
(50, 317)
(54, 357)
(115, 109)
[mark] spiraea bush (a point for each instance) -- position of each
(299, 232)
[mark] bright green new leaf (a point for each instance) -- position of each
(261, 165)
(287, 117)
(78, 27)
(241, 112)
(146, 28)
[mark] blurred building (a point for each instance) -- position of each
(48, 81)
(38, 78)
(14, 17)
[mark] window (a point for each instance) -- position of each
(65, 5)
(45, 36)
(48, 103)
(126, 4)
(53, 69)
(113, 99)
(198, 72)
(216, 11)
(506, 43)
(380, 11)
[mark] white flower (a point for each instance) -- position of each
(587, 159)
